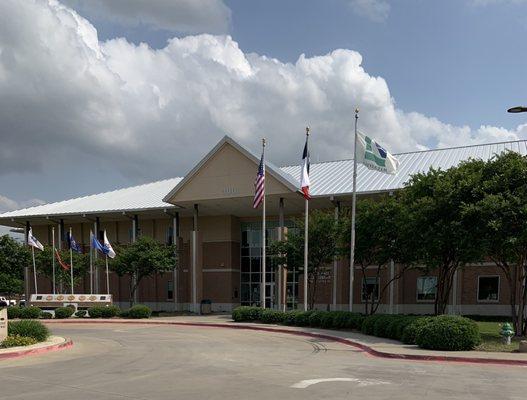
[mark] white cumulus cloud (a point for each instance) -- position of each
(151, 113)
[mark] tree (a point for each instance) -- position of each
(144, 258)
(382, 235)
(44, 263)
(499, 216)
(324, 236)
(435, 202)
(14, 257)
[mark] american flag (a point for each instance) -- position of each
(259, 184)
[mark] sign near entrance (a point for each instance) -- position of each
(3, 323)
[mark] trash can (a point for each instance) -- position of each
(206, 306)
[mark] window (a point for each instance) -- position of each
(426, 288)
(170, 290)
(488, 288)
(370, 289)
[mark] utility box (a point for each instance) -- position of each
(3, 323)
(206, 306)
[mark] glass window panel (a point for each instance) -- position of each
(245, 293)
(370, 288)
(255, 264)
(426, 287)
(256, 252)
(245, 238)
(245, 278)
(488, 288)
(246, 264)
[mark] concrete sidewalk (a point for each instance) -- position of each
(374, 345)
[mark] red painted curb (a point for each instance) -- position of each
(345, 341)
(30, 352)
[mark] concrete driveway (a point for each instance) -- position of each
(179, 362)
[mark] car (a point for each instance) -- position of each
(8, 302)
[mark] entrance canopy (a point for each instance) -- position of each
(223, 183)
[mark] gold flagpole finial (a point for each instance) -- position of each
(307, 130)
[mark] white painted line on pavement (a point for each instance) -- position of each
(361, 382)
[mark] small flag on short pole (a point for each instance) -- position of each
(108, 252)
(35, 244)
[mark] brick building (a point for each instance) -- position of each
(208, 213)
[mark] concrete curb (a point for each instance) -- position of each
(67, 343)
(345, 341)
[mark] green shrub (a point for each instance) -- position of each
(123, 314)
(139, 311)
(326, 320)
(399, 326)
(30, 312)
(382, 324)
(355, 321)
(448, 332)
(13, 312)
(368, 325)
(81, 313)
(46, 315)
(96, 311)
(63, 312)
(315, 318)
(16, 340)
(302, 318)
(246, 314)
(28, 328)
(290, 317)
(410, 331)
(272, 316)
(110, 311)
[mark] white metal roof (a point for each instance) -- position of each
(142, 197)
(336, 177)
(327, 179)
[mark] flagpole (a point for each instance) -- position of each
(34, 269)
(91, 262)
(353, 206)
(53, 255)
(71, 262)
(107, 276)
(306, 241)
(263, 233)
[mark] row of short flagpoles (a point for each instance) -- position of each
(95, 245)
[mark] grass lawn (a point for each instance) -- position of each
(491, 339)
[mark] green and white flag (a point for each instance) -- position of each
(374, 156)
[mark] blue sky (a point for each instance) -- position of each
(85, 111)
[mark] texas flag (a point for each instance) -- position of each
(108, 249)
(33, 241)
(304, 185)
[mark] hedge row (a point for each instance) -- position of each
(317, 319)
(136, 312)
(438, 333)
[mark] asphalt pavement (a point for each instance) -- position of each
(186, 362)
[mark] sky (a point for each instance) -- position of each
(97, 95)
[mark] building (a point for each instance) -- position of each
(208, 213)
